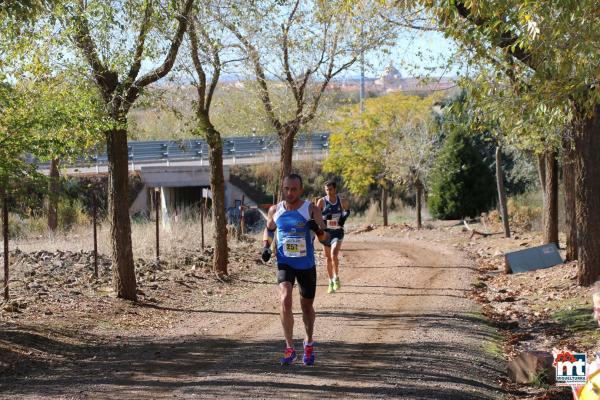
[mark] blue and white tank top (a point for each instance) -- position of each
(294, 240)
(332, 213)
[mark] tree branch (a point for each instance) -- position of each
(286, 59)
(217, 65)
(162, 70)
(327, 78)
(310, 71)
(201, 87)
(139, 48)
(258, 70)
(107, 80)
(507, 38)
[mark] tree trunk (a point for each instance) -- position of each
(286, 140)
(4, 198)
(217, 186)
(587, 158)
(569, 196)
(502, 191)
(118, 213)
(53, 195)
(419, 187)
(542, 177)
(542, 171)
(551, 199)
(384, 198)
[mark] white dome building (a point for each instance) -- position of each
(391, 79)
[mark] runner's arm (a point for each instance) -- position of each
(345, 211)
(317, 224)
(322, 206)
(320, 203)
(316, 214)
(271, 218)
(268, 235)
(345, 204)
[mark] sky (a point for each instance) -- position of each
(414, 53)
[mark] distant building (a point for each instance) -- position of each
(391, 80)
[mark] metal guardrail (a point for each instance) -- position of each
(197, 149)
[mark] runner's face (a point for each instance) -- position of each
(292, 190)
(330, 190)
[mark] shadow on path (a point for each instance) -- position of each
(208, 366)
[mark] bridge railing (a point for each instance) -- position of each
(143, 152)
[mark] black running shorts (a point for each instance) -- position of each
(335, 235)
(306, 278)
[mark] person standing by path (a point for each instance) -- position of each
(293, 220)
(335, 210)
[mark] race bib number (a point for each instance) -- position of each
(294, 247)
(334, 223)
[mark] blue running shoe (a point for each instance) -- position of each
(288, 357)
(309, 354)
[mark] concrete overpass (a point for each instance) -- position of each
(184, 185)
(179, 169)
(182, 188)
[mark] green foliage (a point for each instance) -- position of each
(52, 118)
(461, 184)
(368, 147)
(522, 120)
(13, 141)
(61, 113)
(535, 63)
(520, 170)
(465, 113)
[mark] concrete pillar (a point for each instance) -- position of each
(166, 196)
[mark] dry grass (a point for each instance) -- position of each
(373, 214)
(401, 214)
(175, 236)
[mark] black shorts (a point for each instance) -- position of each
(335, 235)
(307, 279)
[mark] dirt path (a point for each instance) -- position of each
(400, 327)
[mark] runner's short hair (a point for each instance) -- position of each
(331, 183)
(294, 176)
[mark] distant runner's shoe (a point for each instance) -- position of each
(330, 288)
(288, 357)
(309, 354)
(336, 283)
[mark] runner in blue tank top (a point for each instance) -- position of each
(335, 211)
(293, 220)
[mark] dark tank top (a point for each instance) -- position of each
(332, 213)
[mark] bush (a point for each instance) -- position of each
(461, 184)
(70, 213)
(36, 225)
(16, 226)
